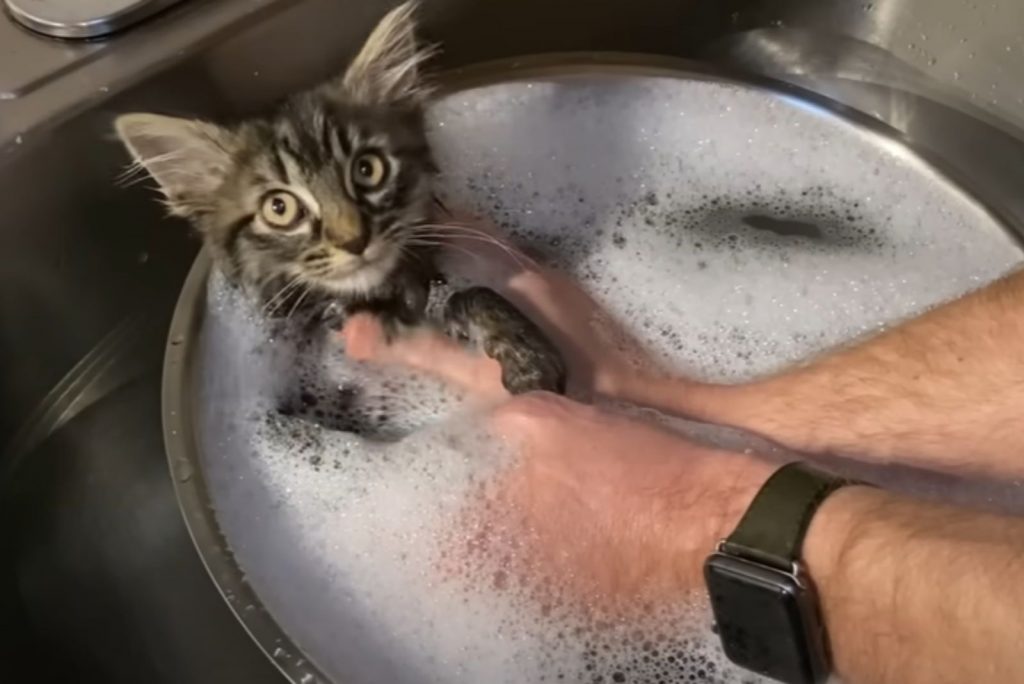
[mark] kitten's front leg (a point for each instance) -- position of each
(529, 360)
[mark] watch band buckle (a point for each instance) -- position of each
(796, 569)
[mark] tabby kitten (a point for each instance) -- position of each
(318, 205)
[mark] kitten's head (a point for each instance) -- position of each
(323, 193)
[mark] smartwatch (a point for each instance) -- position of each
(765, 608)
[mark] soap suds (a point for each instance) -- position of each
(732, 230)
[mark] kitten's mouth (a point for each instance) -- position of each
(361, 273)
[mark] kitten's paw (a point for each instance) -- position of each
(532, 369)
(529, 361)
(333, 316)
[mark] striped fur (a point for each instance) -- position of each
(219, 177)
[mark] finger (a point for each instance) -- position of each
(431, 352)
(425, 350)
(363, 336)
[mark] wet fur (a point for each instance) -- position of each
(529, 361)
(356, 248)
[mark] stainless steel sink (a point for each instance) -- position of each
(100, 579)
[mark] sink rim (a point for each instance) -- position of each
(52, 25)
(180, 361)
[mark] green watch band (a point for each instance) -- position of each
(773, 528)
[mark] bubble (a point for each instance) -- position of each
(729, 255)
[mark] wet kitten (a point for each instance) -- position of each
(483, 318)
(318, 205)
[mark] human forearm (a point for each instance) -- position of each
(918, 593)
(944, 390)
(911, 592)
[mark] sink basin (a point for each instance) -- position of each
(102, 581)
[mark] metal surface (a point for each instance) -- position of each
(93, 540)
(946, 74)
(83, 18)
(179, 433)
(971, 51)
(38, 60)
(183, 363)
(109, 588)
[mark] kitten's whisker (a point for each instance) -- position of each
(448, 245)
(406, 251)
(298, 301)
(463, 229)
(469, 231)
(281, 293)
(456, 224)
(392, 229)
(522, 260)
(269, 306)
(272, 305)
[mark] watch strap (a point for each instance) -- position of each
(773, 528)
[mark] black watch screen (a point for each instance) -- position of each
(767, 619)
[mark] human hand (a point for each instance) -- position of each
(613, 511)
(602, 357)
(608, 508)
(426, 351)
(614, 508)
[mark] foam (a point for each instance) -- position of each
(733, 230)
(657, 184)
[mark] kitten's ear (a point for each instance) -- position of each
(387, 69)
(189, 159)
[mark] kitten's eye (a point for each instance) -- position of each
(369, 170)
(282, 209)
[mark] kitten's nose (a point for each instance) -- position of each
(357, 245)
(345, 228)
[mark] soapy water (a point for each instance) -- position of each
(731, 230)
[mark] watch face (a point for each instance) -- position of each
(766, 620)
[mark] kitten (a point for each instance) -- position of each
(319, 204)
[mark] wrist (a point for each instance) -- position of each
(751, 406)
(702, 518)
(746, 478)
(767, 408)
(836, 529)
(763, 601)
(835, 557)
